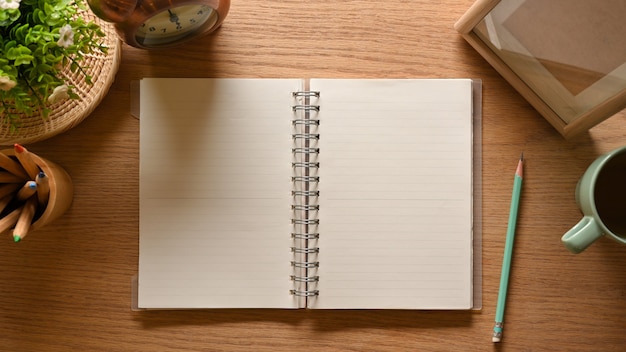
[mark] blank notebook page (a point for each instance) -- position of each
(215, 166)
(395, 194)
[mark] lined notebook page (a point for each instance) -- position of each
(395, 194)
(215, 168)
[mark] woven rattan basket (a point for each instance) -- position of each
(70, 112)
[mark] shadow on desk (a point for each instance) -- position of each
(320, 320)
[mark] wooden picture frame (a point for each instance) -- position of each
(567, 58)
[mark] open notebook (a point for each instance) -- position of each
(291, 193)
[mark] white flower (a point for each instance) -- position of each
(67, 36)
(6, 83)
(59, 93)
(9, 4)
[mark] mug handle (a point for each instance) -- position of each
(582, 235)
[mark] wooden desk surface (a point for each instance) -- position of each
(68, 286)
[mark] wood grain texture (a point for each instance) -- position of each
(68, 286)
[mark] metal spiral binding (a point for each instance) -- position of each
(306, 136)
(306, 293)
(305, 194)
(305, 236)
(305, 221)
(306, 93)
(305, 121)
(306, 150)
(305, 164)
(305, 250)
(305, 207)
(305, 278)
(305, 264)
(305, 179)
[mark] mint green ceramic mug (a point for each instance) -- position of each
(601, 196)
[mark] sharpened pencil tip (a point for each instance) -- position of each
(520, 166)
(16, 238)
(19, 148)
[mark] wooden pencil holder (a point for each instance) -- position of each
(60, 196)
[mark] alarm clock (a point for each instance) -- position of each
(151, 24)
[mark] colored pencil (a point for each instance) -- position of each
(12, 166)
(508, 251)
(43, 188)
(24, 157)
(9, 188)
(9, 177)
(29, 188)
(9, 220)
(4, 201)
(24, 221)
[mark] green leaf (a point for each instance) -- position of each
(20, 53)
(47, 8)
(39, 15)
(9, 45)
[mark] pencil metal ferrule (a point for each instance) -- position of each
(497, 331)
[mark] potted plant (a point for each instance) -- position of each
(42, 43)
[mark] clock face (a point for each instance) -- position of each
(175, 24)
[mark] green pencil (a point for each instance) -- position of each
(508, 250)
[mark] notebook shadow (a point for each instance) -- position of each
(318, 320)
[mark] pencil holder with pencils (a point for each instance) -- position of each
(33, 192)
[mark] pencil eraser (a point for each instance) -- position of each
(495, 339)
